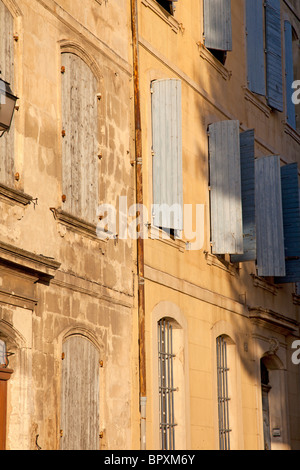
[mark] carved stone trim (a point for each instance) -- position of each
(269, 319)
(15, 196)
(292, 132)
(213, 260)
(78, 225)
(215, 63)
(40, 266)
(263, 284)
(166, 17)
(256, 100)
(155, 233)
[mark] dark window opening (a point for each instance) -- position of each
(167, 5)
(221, 56)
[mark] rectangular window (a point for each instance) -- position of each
(217, 27)
(223, 396)
(166, 384)
(168, 5)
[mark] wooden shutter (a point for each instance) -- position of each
(274, 55)
(7, 167)
(80, 395)
(225, 188)
(269, 217)
(167, 154)
(80, 145)
(217, 24)
(255, 46)
(291, 222)
(248, 197)
(289, 74)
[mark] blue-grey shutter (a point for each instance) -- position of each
(269, 217)
(248, 197)
(217, 24)
(289, 74)
(255, 46)
(225, 188)
(291, 222)
(274, 55)
(167, 154)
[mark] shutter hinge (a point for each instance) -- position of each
(61, 433)
(101, 363)
(62, 356)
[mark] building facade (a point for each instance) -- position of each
(177, 329)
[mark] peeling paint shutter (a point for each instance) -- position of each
(269, 217)
(217, 24)
(274, 55)
(80, 395)
(167, 154)
(291, 222)
(248, 197)
(255, 46)
(7, 170)
(289, 74)
(225, 188)
(80, 145)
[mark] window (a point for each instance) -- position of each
(217, 27)
(264, 50)
(167, 385)
(291, 73)
(167, 155)
(80, 138)
(7, 166)
(168, 5)
(223, 394)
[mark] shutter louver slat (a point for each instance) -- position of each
(217, 24)
(274, 55)
(255, 46)
(167, 154)
(225, 188)
(248, 197)
(269, 217)
(291, 222)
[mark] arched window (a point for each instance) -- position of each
(80, 138)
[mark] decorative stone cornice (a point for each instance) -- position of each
(15, 196)
(273, 320)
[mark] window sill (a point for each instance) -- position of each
(210, 58)
(296, 299)
(214, 260)
(264, 284)
(155, 233)
(14, 196)
(292, 132)
(164, 15)
(258, 101)
(76, 224)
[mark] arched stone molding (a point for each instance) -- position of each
(233, 337)
(13, 7)
(73, 47)
(174, 314)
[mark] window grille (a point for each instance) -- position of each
(166, 384)
(223, 397)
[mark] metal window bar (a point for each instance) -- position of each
(166, 384)
(223, 398)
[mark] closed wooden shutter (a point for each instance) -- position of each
(7, 167)
(291, 222)
(248, 197)
(80, 144)
(217, 24)
(167, 154)
(255, 46)
(274, 55)
(269, 217)
(289, 74)
(80, 395)
(225, 188)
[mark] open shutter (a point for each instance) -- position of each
(274, 55)
(80, 145)
(248, 197)
(225, 188)
(167, 154)
(7, 166)
(289, 74)
(217, 24)
(291, 222)
(269, 217)
(255, 46)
